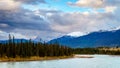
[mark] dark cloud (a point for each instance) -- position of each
(31, 1)
(22, 19)
(48, 24)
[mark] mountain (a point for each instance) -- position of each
(16, 40)
(94, 39)
(76, 34)
(38, 39)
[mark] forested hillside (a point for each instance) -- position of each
(12, 49)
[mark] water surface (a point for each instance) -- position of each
(99, 61)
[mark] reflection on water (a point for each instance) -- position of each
(99, 61)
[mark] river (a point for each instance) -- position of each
(99, 61)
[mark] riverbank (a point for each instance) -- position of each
(83, 56)
(34, 58)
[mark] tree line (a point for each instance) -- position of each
(24, 49)
(12, 49)
(98, 50)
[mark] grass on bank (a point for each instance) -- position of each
(34, 58)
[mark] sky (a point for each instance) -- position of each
(49, 19)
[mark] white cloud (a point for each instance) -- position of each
(14, 5)
(49, 24)
(86, 13)
(88, 3)
(107, 5)
(9, 5)
(63, 23)
(109, 9)
(4, 35)
(76, 21)
(20, 36)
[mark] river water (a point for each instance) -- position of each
(99, 61)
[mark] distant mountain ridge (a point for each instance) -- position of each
(15, 40)
(94, 39)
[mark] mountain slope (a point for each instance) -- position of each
(16, 41)
(94, 39)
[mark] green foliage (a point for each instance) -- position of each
(103, 50)
(29, 48)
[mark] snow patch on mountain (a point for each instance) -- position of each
(76, 34)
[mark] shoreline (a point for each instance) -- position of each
(83, 56)
(18, 59)
(36, 58)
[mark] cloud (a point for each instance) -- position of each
(31, 1)
(16, 20)
(76, 21)
(14, 5)
(4, 35)
(88, 3)
(23, 20)
(62, 23)
(95, 3)
(107, 6)
(3, 25)
(25, 23)
(110, 9)
(9, 5)
(49, 24)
